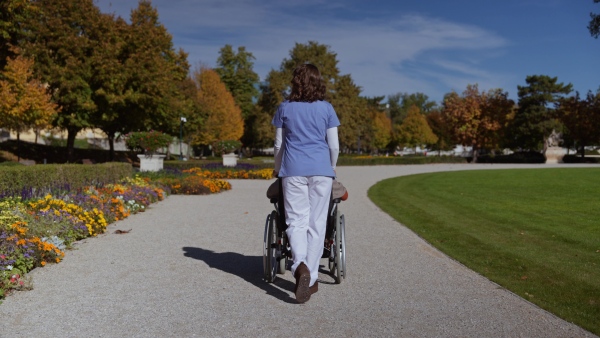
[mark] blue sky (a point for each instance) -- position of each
(431, 46)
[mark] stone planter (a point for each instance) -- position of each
(152, 162)
(229, 160)
(554, 154)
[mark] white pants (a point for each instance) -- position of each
(306, 201)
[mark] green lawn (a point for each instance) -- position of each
(536, 232)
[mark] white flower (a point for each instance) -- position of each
(9, 267)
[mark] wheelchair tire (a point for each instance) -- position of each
(343, 245)
(337, 271)
(270, 248)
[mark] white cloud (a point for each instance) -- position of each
(406, 53)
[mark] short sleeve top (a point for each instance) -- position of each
(305, 150)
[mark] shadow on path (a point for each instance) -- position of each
(248, 268)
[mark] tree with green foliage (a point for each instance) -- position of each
(155, 71)
(535, 118)
(109, 80)
(13, 16)
(355, 129)
(581, 119)
(139, 79)
(414, 130)
(442, 130)
(400, 104)
(236, 72)
(64, 34)
(342, 93)
(594, 26)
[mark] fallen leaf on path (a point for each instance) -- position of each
(122, 231)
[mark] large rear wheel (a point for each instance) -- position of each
(270, 248)
(337, 249)
(343, 246)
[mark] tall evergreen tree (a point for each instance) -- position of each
(236, 72)
(594, 26)
(342, 93)
(535, 118)
(400, 103)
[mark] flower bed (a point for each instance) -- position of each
(196, 181)
(36, 232)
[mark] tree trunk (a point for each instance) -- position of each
(71, 133)
(475, 153)
(18, 146)
(111, 146)
(582, 151)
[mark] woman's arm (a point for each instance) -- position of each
(334, 145)
(278, 149)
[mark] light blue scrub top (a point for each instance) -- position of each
(305, 149)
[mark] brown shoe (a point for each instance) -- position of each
(302, 290)
(314, 288)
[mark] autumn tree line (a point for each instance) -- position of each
(64, 64)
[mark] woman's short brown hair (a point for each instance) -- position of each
(307, 84)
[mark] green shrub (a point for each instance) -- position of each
(30, 181)
(147, 141)
(226, 146)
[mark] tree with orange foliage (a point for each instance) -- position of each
(477, 119)
(223, 118)
(381, 130)
(581, 119)
(414, 130)
(24, 101)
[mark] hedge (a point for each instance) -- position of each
(378, 160)
(518, 157)
(215, 165)
(37, 180)
(342, 161)
(579, 159)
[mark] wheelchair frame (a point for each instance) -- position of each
(277, 251)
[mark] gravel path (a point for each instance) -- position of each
(192, 267)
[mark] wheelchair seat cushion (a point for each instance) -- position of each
(337, 190)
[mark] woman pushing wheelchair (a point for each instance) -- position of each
(306, 151)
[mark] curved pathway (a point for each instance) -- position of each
(192, 267)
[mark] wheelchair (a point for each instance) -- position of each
(277, 251)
